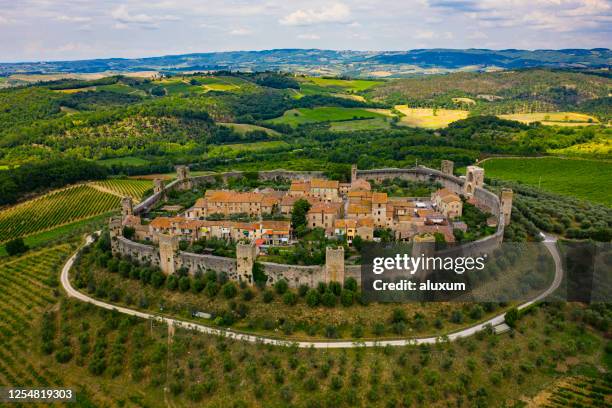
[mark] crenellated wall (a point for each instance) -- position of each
(297, 275)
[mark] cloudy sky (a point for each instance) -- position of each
(32, 30)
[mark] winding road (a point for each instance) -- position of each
(549, 242)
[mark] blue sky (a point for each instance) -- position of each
(32, 30)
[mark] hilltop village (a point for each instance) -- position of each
(342, 210)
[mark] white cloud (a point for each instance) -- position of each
(73, 19)
(309, 37)
(334, 13)
(240, 31)
(125, 17)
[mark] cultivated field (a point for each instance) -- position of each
(294, 117)
(54, 209)
(584, 179)
(429, 118)
(125, 187)
(553, 118)
(354, 85)
(357, 125)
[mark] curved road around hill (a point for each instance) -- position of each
(549, 242)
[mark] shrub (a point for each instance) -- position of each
(457, 317)
(281, 286)
(328, 299)
(312, 298)
(158, 279)
(476, 312)
(184, 284)
(350, 284)
(331, 332)
(229, 290)
(302, 290)
(172, 282)
(290, 298)
(268, 296)
(512, 317)
(248, 294)
(347, 297)
(211, 289)
(335, 288)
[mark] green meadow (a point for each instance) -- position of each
(124, 161)
(583, 179)
(295, 117)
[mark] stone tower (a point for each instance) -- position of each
(506, 204)
(474, 177)
(158, 186)
(245, 259)
(168, 247)
(334, 264)
(127, 207)
(447, 167)
(115, 229)
(353, 173)
(182, 174)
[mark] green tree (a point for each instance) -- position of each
(298, 214)
(16, 246)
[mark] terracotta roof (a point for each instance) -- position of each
(200, 203)
(365, 222)
(359, 209)
(269, 200)
(379, 198)
(299, 186)
(161, 222)
(322, 183)
(450, 198)
(345, 223)
(359, 193)
(328, 208)
(276, 226)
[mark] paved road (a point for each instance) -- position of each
(550, 243)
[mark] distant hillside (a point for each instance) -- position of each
(327, 62)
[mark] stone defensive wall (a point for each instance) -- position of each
(296, 275)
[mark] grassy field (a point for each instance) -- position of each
(357, 125)
(221, 87)
(233, 149)
(125, 187)
(296, 117)
(553, 118)
(600, 147)
(54, 209)
(124, 161)
(354, 85)
(429, 118)
(243, 128)
(584, 179)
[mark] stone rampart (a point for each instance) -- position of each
(297, 275)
